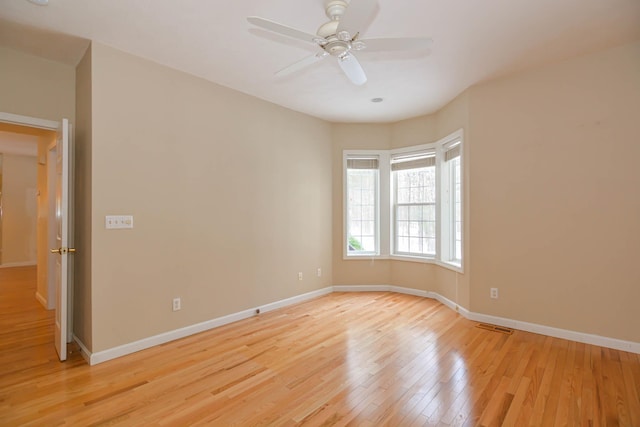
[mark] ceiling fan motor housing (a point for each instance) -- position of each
(335, 46)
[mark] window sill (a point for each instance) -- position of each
(450, 265)
(364, 256)
(424, 260)
(457, 267)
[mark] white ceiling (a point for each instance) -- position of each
(474, 40)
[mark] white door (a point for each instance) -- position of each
(63, 271)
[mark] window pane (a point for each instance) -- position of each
(403, 244)
(368, 213)
(415, 245)
(416, 194)
(414, 228)
(430, 193)
(368, 228)
(429, 229)
(403, 213)
(415, 210)
(431, 246)
(403, 228)
(369, 244)
(431, 212)
(404, 195)
(355, 198)
(361, 210)
(455, 214)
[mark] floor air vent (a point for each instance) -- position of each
(495, 328)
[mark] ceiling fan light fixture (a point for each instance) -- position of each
(320, 41)
(344, 36)
(358, 45)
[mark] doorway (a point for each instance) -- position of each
(25, 221)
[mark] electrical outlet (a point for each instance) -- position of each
(300, 276)
(494, 293)
(319, 272)
(177, 304)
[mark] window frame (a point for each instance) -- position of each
(382, 160)
(447, 208)
(395, 158)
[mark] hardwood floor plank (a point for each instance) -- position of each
(345, 359)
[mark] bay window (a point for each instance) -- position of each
(406, 203)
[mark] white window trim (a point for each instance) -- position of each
(430, 151)
(385, 207)
(443, 144)
(383, 167)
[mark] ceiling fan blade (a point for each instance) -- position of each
(401, 44)
(304, 62)
(352, 69)
(281, 29)
(358, 16)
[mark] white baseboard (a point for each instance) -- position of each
(362, 288)
(86, 354)
(112, 353)
(294, 300)
(614, 343)
(42, 300)
(630, 346)
(410, 291)
(18, 264)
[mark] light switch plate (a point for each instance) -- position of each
(118, 221)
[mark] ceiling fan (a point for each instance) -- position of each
(341, 36)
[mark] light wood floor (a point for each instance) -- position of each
(367, 359)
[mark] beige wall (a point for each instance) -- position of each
(19, 209)
(231, 198)
(36, 87)
(555, 198)
(82, 203)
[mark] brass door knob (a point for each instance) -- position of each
(63, 250)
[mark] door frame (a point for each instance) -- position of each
(51, 229)
(34, 122)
